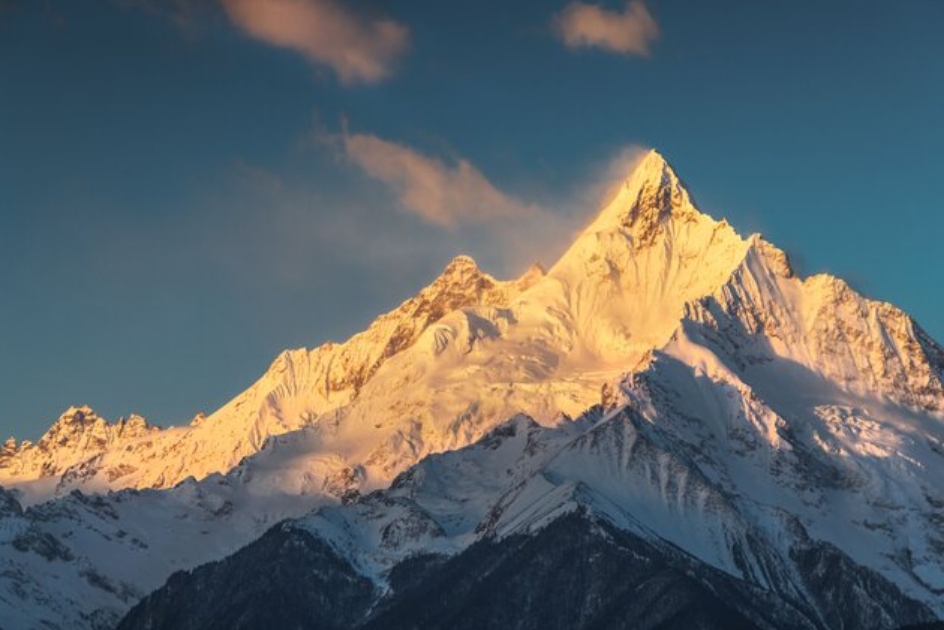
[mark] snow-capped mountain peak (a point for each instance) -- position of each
(468, 350)
(649, 195)
(77, 436)
(627, 277)
(684, 383)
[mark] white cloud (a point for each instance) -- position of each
(481, 218)
(359, 49)
(631, 32)
(446, 194)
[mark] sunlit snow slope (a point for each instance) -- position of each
(448, 364)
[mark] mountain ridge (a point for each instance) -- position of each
(581, 316)
(678, 380)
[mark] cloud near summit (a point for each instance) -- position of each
(444, 193)
(630, 32)
(453, 194)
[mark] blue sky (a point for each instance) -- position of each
(188, 187)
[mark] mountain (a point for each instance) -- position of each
(463, 355)
(80, 561)
(76, 439)
(301, 388)
(763, 449)
(504, 533)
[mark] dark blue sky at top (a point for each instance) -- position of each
(170, 219)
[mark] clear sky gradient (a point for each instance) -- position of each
(188, 187)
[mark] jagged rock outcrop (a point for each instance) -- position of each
(79, 435)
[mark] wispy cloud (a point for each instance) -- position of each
(606, 181)
(455, 195)
(357, 48)
(441, 192)
(630, 32)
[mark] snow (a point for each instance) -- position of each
(746, 404)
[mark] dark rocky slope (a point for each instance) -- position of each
(577, 573)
